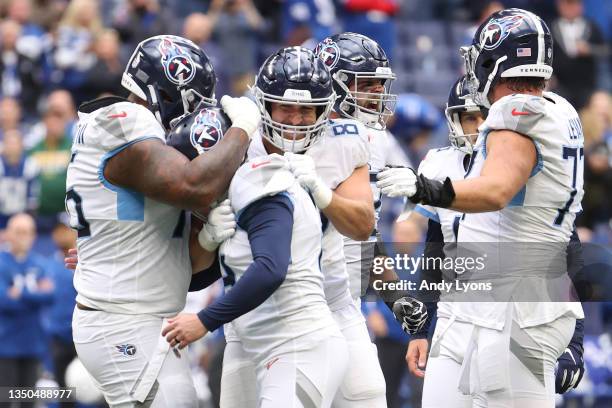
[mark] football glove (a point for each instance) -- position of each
(404, 182)
(303, 168)
(220, 225)
(243, 113)
(411, 313)
(570, 369)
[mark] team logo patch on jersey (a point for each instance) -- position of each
(205, 131)
(178, 65)
(497, 30)
(127, 350)
(328, 52)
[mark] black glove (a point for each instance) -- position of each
(411, 313)
(404, 182)
(570, 369)
(433, 192)
(570, 366)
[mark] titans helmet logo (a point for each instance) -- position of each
(328, 51)
(205, 131)
(497, 30)
(178, 65)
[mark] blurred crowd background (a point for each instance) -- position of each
(55, 54)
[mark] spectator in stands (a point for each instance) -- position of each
(600, 105)
(414, 123)
(10, 116)
(76, 35)
(577, 45)
(236, 23)
(307, 22)
(20, 72)
(18, 179)
(60, 314)
(596, 122)
(198, 28)
(373, 19)
(61, 102)
(105, 75)
(141, 19)
(47, 13)
(20, 11)
(24, 290)
(52, 156)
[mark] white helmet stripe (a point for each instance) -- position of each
(538, 24)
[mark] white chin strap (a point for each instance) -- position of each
(483, 97)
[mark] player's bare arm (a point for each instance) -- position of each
(352, 208)
(162, 173)
(511, 157)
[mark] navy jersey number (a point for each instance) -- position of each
(345, 129)
(82, 225)
(575, 153)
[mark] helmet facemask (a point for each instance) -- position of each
(458, 139)
(192, 100)
(292, 138)
(373, 109)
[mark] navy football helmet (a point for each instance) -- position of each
(172, 74)
(352, 58)
(510, 43)
(460, 100)
(198, 132)
(293, 76)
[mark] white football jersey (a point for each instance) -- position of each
(133, 251)
(343, 148)
(552, 197)
(542, 212)
(298, 307)
(439, 164)
(384, 150)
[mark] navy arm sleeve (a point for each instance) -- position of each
(578, 338)
(434, 243)
(207, 277)
(269, 225)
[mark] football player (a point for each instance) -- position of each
(126, 195)
(525, 186)
(283, 346)
(463, 118)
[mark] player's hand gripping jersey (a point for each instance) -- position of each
(133, 251)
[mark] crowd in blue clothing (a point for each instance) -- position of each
(56, 54)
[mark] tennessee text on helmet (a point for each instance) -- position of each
(510, 43)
